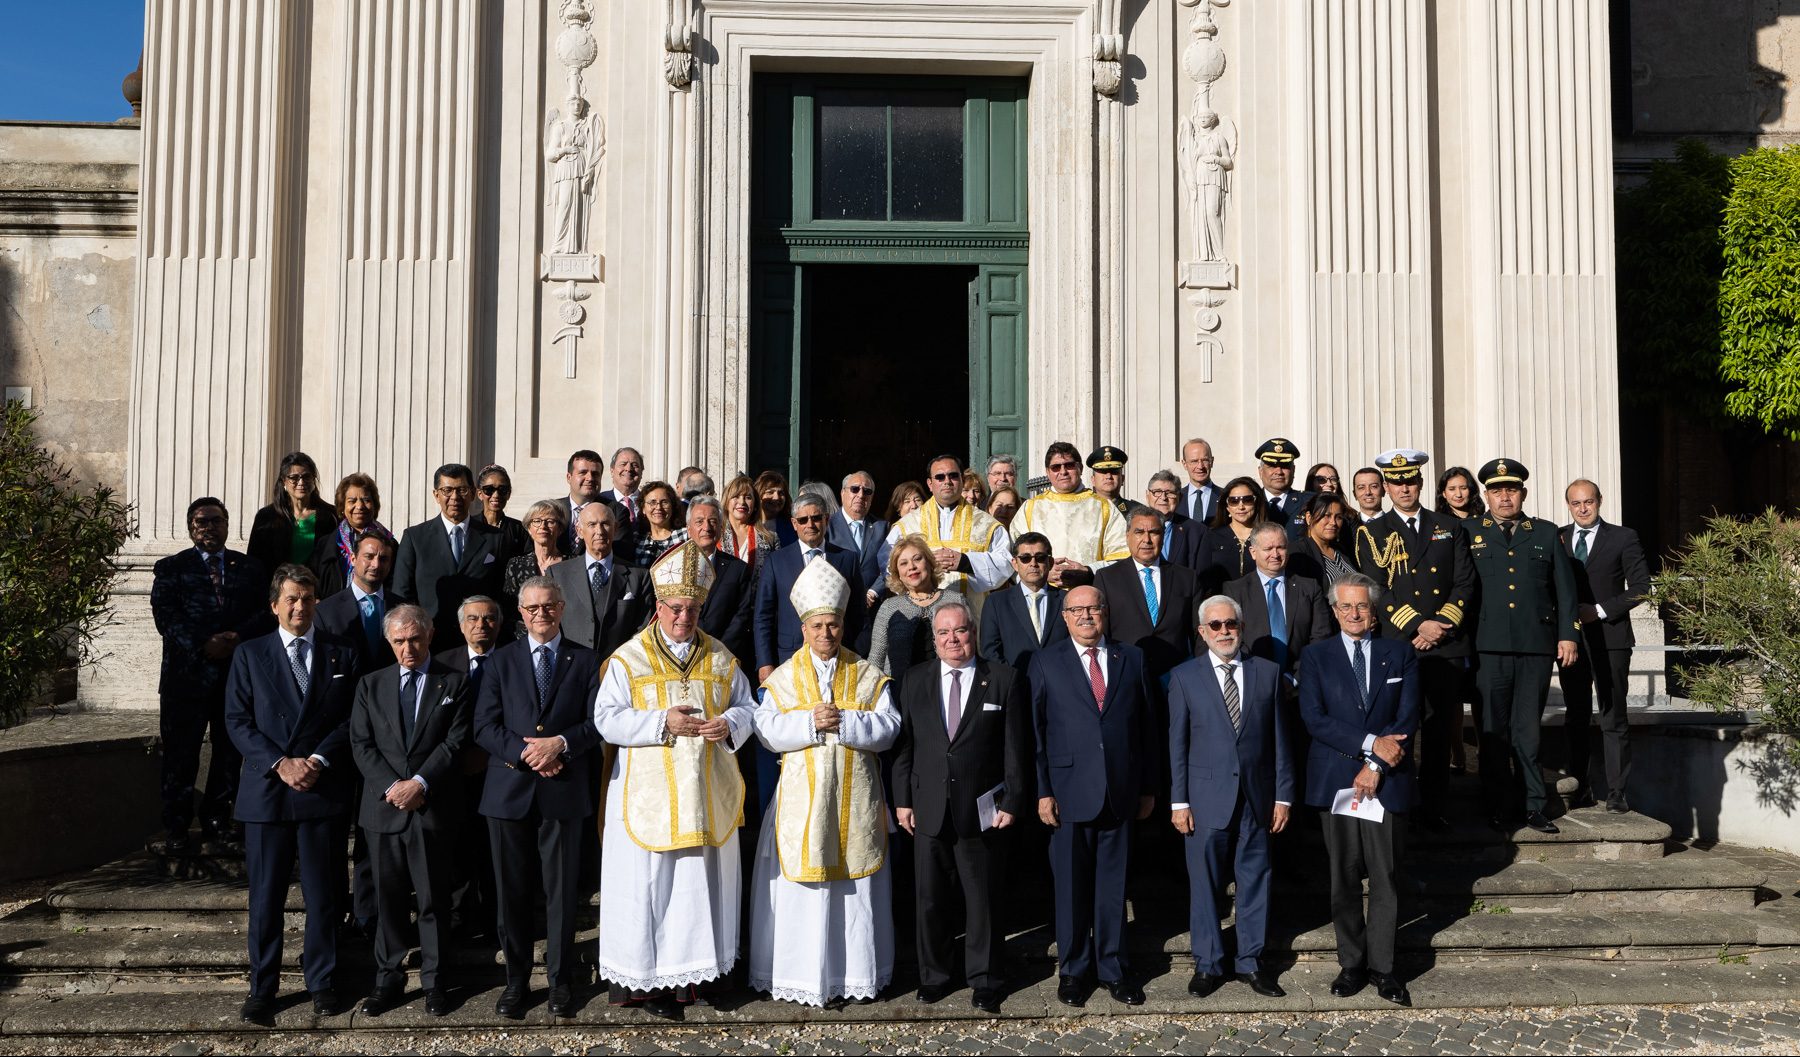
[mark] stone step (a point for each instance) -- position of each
(1585, 833)
(1690, 881)
(99, 1017)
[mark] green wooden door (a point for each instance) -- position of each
(886, 170)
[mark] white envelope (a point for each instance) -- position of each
(1369, 810)
(988, 804)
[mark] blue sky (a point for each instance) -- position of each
(62, 60)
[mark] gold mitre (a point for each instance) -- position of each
(819, 588)
(682, 572)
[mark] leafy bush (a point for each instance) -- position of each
(58, 544)
(1759, 294)
(1737, 586)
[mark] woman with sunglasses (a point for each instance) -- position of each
(1225, 549)
(658, 500)
(1323, 477)
(358, 504)
(494, 488)
(296, 517)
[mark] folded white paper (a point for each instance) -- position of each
(987, 805)
(1369, 809)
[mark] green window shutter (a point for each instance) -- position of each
(997, 363)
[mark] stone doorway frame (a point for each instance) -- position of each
(1052, 44)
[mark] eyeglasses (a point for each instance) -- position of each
(1352, 607)
(946, 476)
(1240, 500)
(298, 478)
(1322, 479)
(203, 519)
(809, 519)
(1163, 493)
(459, 490)
(1063, 467)
(542, 608)
(1224, 625)
(1085, 610)
(857, 489)
(543, 522)
(496, 489)
(1032, 559)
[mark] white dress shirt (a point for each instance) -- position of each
(312, 648)
(555, 644)
(1137, 574)
(1237, 676)
(1350, 642)
(1593, 533)
(1099, 649)
(1037, 607)
(587, 568)
(968, 687)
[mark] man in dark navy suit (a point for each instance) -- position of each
(535, 719)
(449, 557)
(1018, 620)
(1091, 706)
(287, 706)
(730, 604)
(1181, 533)
(777, 628)
(1150, 601)
(1359, 698)
(355, 613)
(204, 599)
(856, 528)
(1231, 786)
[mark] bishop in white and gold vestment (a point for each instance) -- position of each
(821, 925)
(674, 702)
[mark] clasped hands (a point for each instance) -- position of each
(544, 755)
(682, 724)
(826, 718)
(406, 794)
(300, 773)
(1388, 749)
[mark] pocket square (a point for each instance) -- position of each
(1395, 679)
(337, 675)
(628, 597)
(989, 706)
(487, 559)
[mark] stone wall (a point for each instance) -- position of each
(68, 243)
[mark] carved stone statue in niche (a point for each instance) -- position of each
(1207, 148)
(573, 146)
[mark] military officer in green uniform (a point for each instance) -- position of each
(1429, 602)
(1108, 464)
(1527, 620)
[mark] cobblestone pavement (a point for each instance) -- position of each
(1719, 1028)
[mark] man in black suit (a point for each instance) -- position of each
(450, 557)
(607, 601)
(473, 906)
(535, 719)
(856, 528)
(583, 473)
(1297, 603)
(408, 729)
(1019, 620)
(204, 599)
(1091, 708)
(1611, 576)
(1200, 497)
(1181, 534)
(1422, 558)
(287, 706)
(965, 734)
(627, 498)
(356, 614)
(777, 626)
(731, 602)
(1150, 602)
(1275, 466)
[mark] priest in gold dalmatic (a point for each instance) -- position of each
(674, 702)
(973, 551)
(1086, 532)
(821, 929)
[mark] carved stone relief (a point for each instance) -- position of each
(574, 147)
(1206, 155)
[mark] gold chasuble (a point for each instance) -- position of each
(971, 532)
(689, 793)
(830, 819)
(1079, 525)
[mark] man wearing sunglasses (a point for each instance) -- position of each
(1231, 784)
(973, 551)
(1020, 620)
(1085, 531)
(778, 634)
(1275, 466)
(447, 558)
(856, 528)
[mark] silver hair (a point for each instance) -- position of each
(1264, 529)
(544, 582)
(475, 600)
(1353, 580)
(1219, 600)
(955, 603)
(853, 475)
(1166, 476)
(1002, 460)
(697, 484)
(1140, 512)
(706, 500)
(406, 616)
(812, 499)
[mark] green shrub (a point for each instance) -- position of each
(58, 544)
(1759, 294)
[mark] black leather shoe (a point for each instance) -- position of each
(562, 1001)
(511, 1004)
(1262, 981)
(1537, 821)
(663, 1005)
(1073, 991)
(1617, 805)
(987, 1000)
(1125, 993)
(258, 1011)
(437, 1002)
(1202, 984)
(1583, 797)
(1389, 987)
(326, 1002)
(1349, 982)
(384, 999)
(933, 993)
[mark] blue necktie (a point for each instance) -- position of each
(544, 662)
(297, 661)
(1167, 536)
(371, 620)
(409, 703)
(1150, 598)
(456, 544)
(1361, 664)
(1278, 622)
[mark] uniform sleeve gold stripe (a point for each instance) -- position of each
(1405, 615)
(1452, 612)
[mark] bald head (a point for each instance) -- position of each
(1084, 611)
